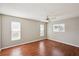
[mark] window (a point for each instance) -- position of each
(42, 30)
(58, 27)
(15, 31)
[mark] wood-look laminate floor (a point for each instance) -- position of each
(42, 48)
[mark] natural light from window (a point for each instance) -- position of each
(15, 31)
(41, 29)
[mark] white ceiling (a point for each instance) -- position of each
(39, 11)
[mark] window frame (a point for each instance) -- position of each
(59, 26)
(42, 30)
(12, 31)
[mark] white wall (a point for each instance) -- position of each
(30, 30)
(71, 34)
(0, 31)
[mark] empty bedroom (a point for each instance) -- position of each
(39, 29)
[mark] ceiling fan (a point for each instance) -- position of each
(47, 18)
(50, 18)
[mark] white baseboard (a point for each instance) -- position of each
(65, 43)
(20, 44)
